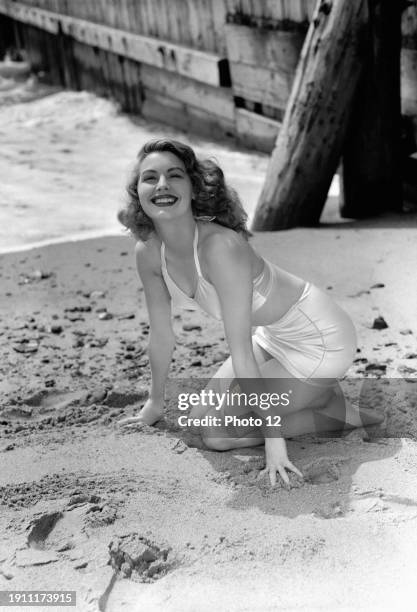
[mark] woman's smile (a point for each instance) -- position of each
(164, 200)
(164, 187)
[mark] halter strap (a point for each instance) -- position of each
(195, 245)
(195, 251)
(163, 262)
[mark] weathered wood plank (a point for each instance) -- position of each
(162, 54)
(219, 12)
(409, 82)
(44, 20)
(193, 63)
(261, 85)
(255, 131)
(276, 50)
(216, 101)
(183, 116)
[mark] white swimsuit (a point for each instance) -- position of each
(315, 338)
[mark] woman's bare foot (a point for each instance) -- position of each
(350, 416)
(151, 412)
(361, 417)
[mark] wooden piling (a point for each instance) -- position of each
(310, 141)
(372, 153)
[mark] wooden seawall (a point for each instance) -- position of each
(219, 67)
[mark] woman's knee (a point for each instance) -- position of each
(215, 442)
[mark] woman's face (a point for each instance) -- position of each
(164, 187)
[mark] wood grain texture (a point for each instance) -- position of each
(275, 50)
(311, 138)
(189, 62)
(214, 100)
(255, 131)
(260, 85)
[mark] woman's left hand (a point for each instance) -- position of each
(276, 460)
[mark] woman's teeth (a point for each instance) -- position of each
(164, 200)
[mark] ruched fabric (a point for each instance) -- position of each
(315, 339)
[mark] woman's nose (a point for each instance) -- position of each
(162, 182)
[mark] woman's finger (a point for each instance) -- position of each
(292, 467)
(283, 475)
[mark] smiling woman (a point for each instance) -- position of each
(164, 188)
(210, 195)
(192, 248)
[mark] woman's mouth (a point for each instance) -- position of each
(164, 200)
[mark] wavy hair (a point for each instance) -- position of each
(212, 196)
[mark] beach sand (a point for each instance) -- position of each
(148, 519)
(197, 527)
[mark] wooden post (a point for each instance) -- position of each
(372, 152)
(7, 38)
(310, 142)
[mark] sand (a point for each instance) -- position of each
(344, 538)
(148, 519)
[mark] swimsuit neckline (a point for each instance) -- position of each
(200, 277)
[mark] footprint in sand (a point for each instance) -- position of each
(323, 470)
(139, 558)
(393, 506)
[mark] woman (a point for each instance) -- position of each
(192, 247)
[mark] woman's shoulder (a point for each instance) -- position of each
(217, 239)
(222, 245)
(148, 252)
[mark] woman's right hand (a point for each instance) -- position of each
(152, 411)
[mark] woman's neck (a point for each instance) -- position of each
(178, 235)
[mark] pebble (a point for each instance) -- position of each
(73, 317)
(191, 327)
(8, 447)
(56, 329)
(375, 366)
(179, 447)
(105, 316)
(26, 346)
(379, 323)
(219, 356)
(406, 370)
(127, 316)
(80, 564)
(39, 275)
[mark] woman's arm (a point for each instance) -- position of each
(230, 271)
(161, 336)
(234, 285)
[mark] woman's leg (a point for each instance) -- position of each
(312, 409)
